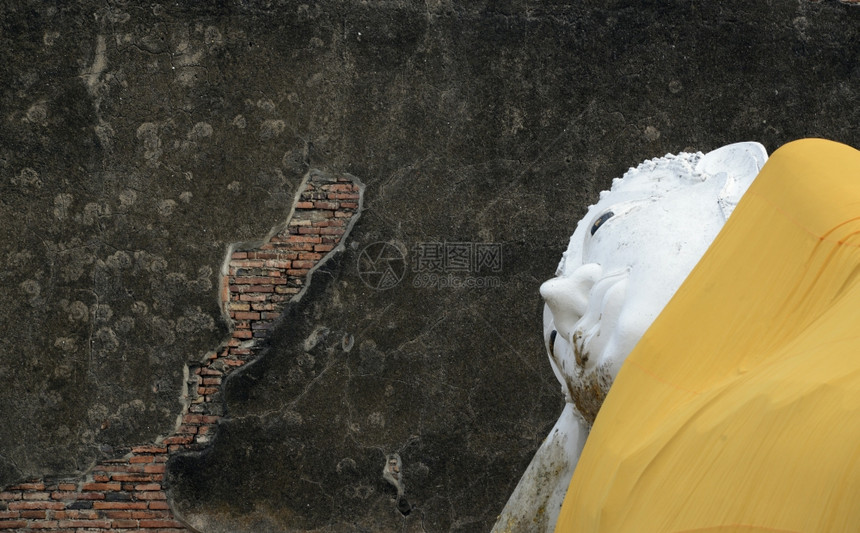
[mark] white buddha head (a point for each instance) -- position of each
(629, 255)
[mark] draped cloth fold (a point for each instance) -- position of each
(739, 409)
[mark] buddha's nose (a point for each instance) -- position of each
(567, 297)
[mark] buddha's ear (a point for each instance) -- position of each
(740, 163)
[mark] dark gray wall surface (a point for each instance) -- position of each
(137, 141)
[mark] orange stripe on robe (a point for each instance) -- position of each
(739, 410)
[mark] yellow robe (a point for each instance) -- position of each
(739, 410)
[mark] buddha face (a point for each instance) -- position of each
(629, 255)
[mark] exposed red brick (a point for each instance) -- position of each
(28, 486)
(119, 505)
(331, 231)
(260, 288)
(133, 477)
(101, 486)
(269, 255)
(340, 222)
(149, 449)
(253, 298)
(102, 524)
(120, 468)
(151, 495)
(178, 439)
(6, 515)
(340, 187)
(286, 290)
(259, 280)
(304, 205)
(304, 238)
(77, 495)
(14, 524)
(283, 263)
(25, 506)
(159, 523)
(308, 256)
(45, 524)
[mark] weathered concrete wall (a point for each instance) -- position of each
(137, 142)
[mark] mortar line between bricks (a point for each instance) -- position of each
(127, 493)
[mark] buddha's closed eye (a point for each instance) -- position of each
(600, 220)
(615, 212)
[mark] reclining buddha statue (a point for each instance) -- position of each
(704, 324)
